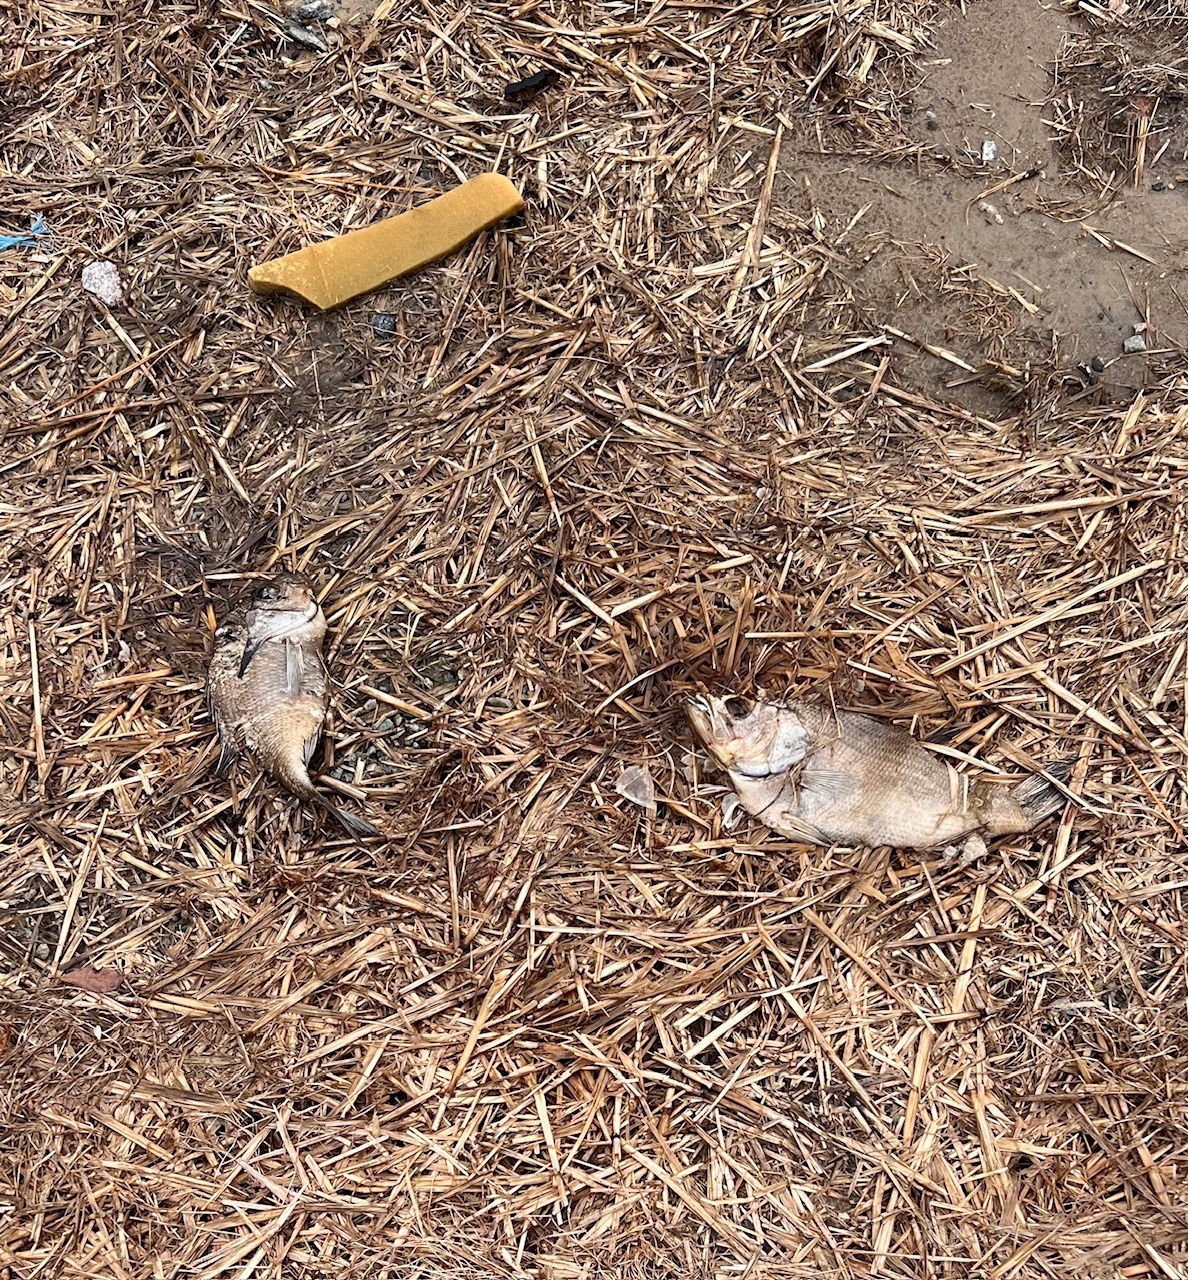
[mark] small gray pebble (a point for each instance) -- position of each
(42, 951)
(1158, 186)
(386, 725)
(434, 677)
(383, 325)
(1097, 364)
(370, 706)
(385, 685)
(303, 35)
(1132, 346)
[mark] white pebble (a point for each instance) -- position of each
(103, 280)
(990, 212)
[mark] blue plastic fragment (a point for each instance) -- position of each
(37, 229)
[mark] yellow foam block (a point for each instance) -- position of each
(335, 271)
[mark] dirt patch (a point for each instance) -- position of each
(992, 247)
(988, 80)
(1121, 100)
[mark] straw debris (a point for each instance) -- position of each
(638, 443)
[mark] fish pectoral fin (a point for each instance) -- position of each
(294, 669)
(249, 652)
(797, 829)
(828, 783)
(310, 745)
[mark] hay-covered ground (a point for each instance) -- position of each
(638, 440)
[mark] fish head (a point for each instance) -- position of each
(749, 739)
(283, 608)
(284, 593)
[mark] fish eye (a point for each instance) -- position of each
(739, 708)
(268, 592)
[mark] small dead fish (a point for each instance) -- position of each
(267, 688)
(836, 777)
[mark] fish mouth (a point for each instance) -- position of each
(698, 703)
(754, 769)
(715, 722)
(715, 718)
(700, 713)
(713, 726)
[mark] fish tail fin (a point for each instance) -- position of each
(1040, 798)
(1028, 804)
(298, 782)
(352, 823)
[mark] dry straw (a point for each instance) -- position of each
(638, 442)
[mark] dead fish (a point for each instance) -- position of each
(826, 777)
(267, 688)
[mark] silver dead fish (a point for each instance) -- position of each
(267, 687)
(836, 777)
